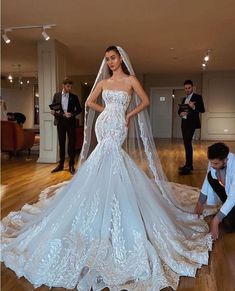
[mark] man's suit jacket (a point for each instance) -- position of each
(73, 107)
(193, 119)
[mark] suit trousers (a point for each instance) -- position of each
(229, 220)
(188, 132)
(67, 126)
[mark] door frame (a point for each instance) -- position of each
(166, 88)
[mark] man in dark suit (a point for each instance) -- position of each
(66, 123)
(190, 121)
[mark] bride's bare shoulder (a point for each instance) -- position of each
(105, 81)
(132, 80)
(101, 84)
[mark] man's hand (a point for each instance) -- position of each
(67, 114)
(191, 104)
(198, 209)
(214, 227)
(53, 112)
(183, 113)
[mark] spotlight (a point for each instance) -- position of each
(204, 65)
(11, 80)
(6, 38)
(27, 81)
(10, 77)
(206, 59)
(42, 27)
(45, 35)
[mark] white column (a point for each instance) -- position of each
(52, 57)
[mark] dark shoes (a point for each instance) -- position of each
(72, 169)
(58, 169)
(185, 167)
(185, 170)
(61, 168)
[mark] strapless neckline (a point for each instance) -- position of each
(115, 90)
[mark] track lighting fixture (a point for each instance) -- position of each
(5, 37)
(44, 33)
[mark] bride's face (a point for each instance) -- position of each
(113, 60)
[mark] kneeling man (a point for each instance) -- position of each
(219, 188)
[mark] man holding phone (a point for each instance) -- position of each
(189, 122)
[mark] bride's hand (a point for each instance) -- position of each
(128, 116)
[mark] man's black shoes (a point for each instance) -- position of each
(72, 169)
(185, 170)
(58, 169)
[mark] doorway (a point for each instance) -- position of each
(161, 112)
(178, 95)
(164, 117)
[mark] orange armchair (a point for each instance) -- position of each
(14, 138)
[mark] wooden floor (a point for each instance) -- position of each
(23, 180)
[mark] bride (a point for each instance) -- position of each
(118, 223)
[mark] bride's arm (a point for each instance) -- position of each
(91, 101)
(143, 96)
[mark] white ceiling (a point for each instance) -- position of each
(146, 29)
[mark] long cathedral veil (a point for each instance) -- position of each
(139, 143)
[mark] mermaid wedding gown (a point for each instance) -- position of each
(110, 226)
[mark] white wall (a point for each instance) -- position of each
(218, 122)
(172, 80)
(20, 100)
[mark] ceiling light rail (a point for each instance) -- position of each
(42, 26)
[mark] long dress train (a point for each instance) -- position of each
(110, 226)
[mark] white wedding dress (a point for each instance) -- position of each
(110, 226)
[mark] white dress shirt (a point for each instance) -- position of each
(188, 98)
(65, 101)
(212, 198)
(186, 101)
